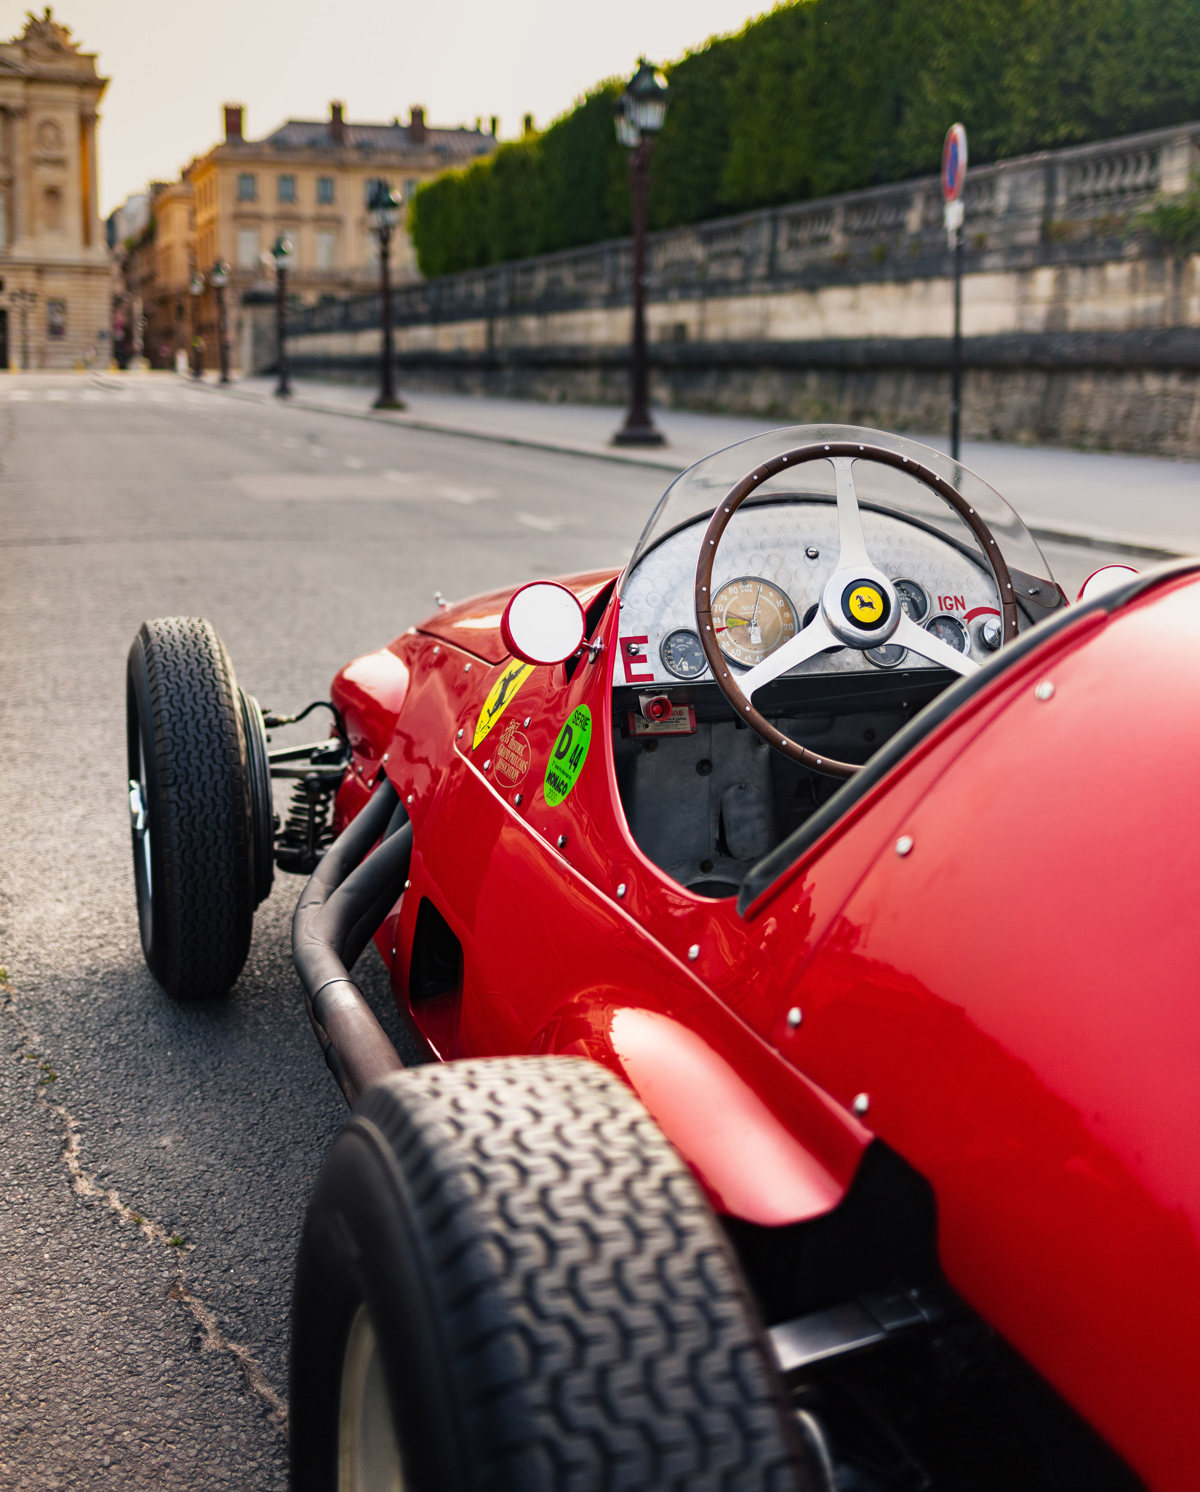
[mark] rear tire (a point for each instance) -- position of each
(509, 1281)
(193, 795)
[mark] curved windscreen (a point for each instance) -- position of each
(696, 492)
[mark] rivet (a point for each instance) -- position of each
(1033, 590)
(487, 764)
(467, 668)
(459, 736)
(693, 953)
(519, 799)
(1044, 691)
(527, 719)
(358, 768)
(904, 845)
(437, 650)
(409, 798)
(862, 1103)
(621, 891)
(812, 553)
(794, 1016)
(407, 884)
(562, 841)
(385, 756)
(393, 950)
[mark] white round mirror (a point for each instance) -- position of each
(1105, 579)
(543, 623)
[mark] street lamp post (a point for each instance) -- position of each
(641, 111)
(281, 253)
(384, 208)
(218, 278)
(196, 289)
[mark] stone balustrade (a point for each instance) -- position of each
(1055, 206)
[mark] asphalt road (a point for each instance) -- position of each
(156, 1157)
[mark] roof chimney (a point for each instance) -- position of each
(495, 124)
(416, 125)
(528, 129)
(337, 124)
(233, 122)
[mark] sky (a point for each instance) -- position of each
(173, 65)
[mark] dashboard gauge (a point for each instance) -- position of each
(752, 618)
(682, 654)
(890, 655)
(951, 631)
(913, 599)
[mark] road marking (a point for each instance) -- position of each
(537, 522)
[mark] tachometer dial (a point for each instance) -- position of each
(682, 654)
(951, 631)
(752, 618)
(913, 599)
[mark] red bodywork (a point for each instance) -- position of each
(1013, 1001)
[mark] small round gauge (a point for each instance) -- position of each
(752, 618)
(890, 655)
(682, 654)
(913, 599)
(950, 630)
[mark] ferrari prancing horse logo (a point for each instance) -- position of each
(866, 604)
(499, 698)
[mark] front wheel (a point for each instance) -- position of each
(509, 1280)
(199, 812)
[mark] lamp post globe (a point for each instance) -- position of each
(641, 113)
(218, 278)
(383, 208)
(281, 255)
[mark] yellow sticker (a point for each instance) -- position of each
(500, 696)
(866, 605)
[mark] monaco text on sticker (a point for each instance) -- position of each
(500, 696)
(568, 756)
(511, 756)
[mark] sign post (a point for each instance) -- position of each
(954, 175)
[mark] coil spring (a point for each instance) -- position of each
(308, 830)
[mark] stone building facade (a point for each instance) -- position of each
(55, 301)
(309, 180)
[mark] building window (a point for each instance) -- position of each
(52, 210)
(326, 245)
(247, 248)
(324, 191)
(56, 319)
(247, 190)
(287, 188)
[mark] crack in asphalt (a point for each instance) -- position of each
(84, 1184)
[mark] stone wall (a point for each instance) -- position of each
(1078, 329)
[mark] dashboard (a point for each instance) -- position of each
(771, 567)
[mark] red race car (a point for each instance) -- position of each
(803, 922)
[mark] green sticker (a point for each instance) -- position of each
(569, 754)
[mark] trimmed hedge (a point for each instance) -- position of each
(824, 96)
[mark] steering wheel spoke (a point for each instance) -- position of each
(926, 645)
(852, 545)
(806, 644)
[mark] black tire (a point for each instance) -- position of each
(191, 786)
(550, 1301)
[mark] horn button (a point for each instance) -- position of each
(860, 608)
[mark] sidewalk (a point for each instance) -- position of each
(1145, 505)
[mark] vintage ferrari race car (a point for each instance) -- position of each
(831, 1129)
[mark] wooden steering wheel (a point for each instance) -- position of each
(859, 607)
